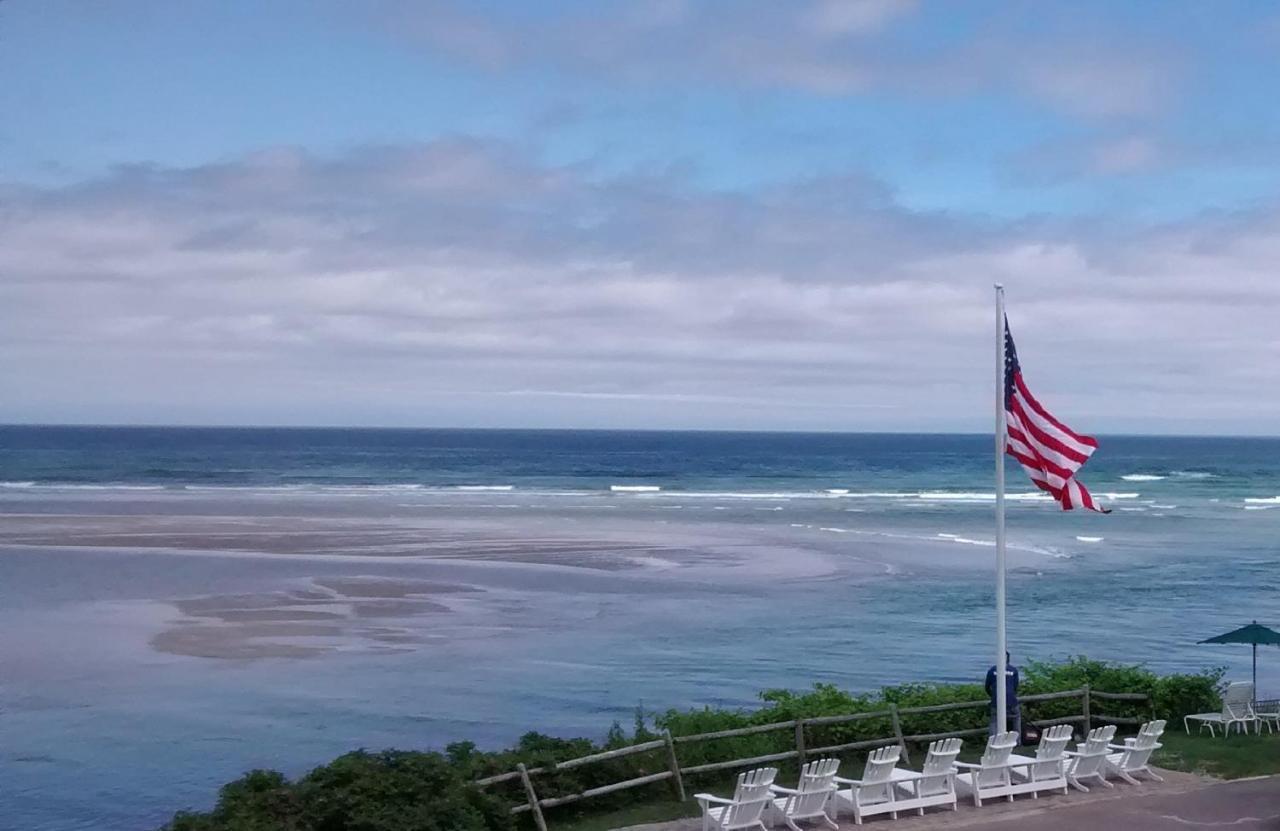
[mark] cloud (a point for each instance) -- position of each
(465, 282)
(832, 48)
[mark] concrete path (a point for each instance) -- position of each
(1183, 801)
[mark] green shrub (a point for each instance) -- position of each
(398, 791)
(388, 791)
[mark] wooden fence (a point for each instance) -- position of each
(676, 772)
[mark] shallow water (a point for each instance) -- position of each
(180, 606)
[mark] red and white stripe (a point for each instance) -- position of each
(1048, 450)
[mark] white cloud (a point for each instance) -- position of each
(462, 282)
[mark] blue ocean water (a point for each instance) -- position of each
(183, 604)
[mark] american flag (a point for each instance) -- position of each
(1048, 450)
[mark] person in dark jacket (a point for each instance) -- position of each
(1012, 708)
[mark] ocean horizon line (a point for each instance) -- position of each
(600, 430)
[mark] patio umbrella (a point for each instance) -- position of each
(1254, 634)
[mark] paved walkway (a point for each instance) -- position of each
(1183, 802)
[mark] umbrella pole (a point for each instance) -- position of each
(1255, 673)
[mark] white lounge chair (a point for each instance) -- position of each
(1237, 709)
(936, 782)
(1271, 718)
(750, 798)
(1135, 753)
(1046, 771)
(1089, 760)
(810, 798)
(874, 792)
(992, 776)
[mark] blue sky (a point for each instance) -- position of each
(622, 169)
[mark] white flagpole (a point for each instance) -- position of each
(1001, 437)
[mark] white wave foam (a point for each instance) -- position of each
(750, 494)
(1112, 495)
(106, 487)
(975, 496)
(1090, 539)
(486, 487)
(1134, 510)
(1260, 507)
(837, 491)
(635, 488)
(1262, 500)
(1163, 507)
(1142, 477)
(17, 484)
(1193, 474)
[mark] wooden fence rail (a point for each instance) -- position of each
(676, 772)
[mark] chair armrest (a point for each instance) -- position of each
(780, 789)
(967, 765)
(706, 797)
(1120, 747)
(1072, 753)
(844, 781)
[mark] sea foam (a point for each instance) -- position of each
(1142, 477)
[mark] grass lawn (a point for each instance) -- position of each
(1231, 758)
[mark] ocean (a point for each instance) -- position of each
(181, 605)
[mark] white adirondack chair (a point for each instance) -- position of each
(935, 784)
(1135, 753)
(809, 800)
(1046, 771)
(1089, 760)
(1237, 709)
(750, 798)
(992, 776)
(874, 792)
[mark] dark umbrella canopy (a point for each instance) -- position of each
(1254, 634)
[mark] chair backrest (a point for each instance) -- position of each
(753, 780)
(996, 756)
(1098, 740)
(937, 775)
(1052, 742)
(1237, 699)
(880, 764)
(818, 775)
(942, 756)
(1149, 735)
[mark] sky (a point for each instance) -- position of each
(664, 214)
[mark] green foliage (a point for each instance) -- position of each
(388, 791)
(399, 791)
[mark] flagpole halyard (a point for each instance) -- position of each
(1001, 438)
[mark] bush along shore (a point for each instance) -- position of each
(397, 790)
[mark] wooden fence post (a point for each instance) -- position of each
(534, 807)
(897, 731)
(800, 741)
(1088, 720)
(677, 781)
